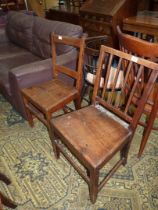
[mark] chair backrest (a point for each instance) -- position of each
(140, 48)
(134, 45)
(120, 102)
(79, 44)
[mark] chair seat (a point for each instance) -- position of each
(50, 95)
(92, 133)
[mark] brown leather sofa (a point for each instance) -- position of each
(25, 53)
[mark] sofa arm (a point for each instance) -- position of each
(30, 74)
(35, 73)
(3, 36)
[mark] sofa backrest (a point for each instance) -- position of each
(19, 29)
(42, 30)
(33, 33)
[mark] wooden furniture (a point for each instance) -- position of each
(3, 199)
(153, 5)
(145, 22)
(101, 17)
(96, 17)
(64, 13)
(11, 4)
(92, 49)
(144, 5)
(44, 99)
(147, 50)
(96, 133)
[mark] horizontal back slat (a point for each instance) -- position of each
(77, 72)
(67, 71)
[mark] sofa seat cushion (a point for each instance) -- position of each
(42, 30)
(19, 29)
(9, 49)
(10, 62)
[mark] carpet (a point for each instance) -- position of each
(40, 182)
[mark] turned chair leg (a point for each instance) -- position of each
(93, 187)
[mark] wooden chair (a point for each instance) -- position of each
(3, 199)
(94, 134)
(92, 50)
(92, 47)
(147, 50)
(44, 99)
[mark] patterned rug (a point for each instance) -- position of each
(39, 181)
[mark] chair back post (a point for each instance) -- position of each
(80, 64)
(79, 44)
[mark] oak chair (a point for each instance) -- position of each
(94, 134)
(3, 199)
(44, 99)
(146, 50)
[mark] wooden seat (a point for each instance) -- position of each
(147, 50)
(94, 134)
(3, 199)
(44, 99)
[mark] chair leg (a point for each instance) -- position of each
(77, 103)
(56, 151)
(51, 135)
(4, 179)
(93, 188)
(145, 137)
(29, 114)
(7, 202)
(124, 152)
(1, 207)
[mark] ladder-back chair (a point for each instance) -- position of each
(94, 134)
(148, 50)
(44, 99)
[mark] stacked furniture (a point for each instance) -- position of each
(148, 50)
(96, 17)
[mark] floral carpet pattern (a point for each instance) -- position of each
(40, 182)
